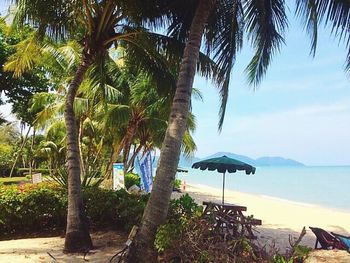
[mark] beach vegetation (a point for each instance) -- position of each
(181, 212)
(177, 183)
(30, 210)
(132, 179)
(97, 25)
(91, 118)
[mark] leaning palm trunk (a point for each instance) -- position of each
(80, 137)
(77, 233)
(130, 134)
(19, 152)
(157, 207)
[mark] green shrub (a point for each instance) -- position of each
(183, 208)
(38, 208)
(132, 179)
(90, 178)
(181, 212)
(31, 208)
(177, 183)
(6, 160)
(166, 235)
(113, 208)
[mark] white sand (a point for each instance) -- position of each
(280, 218)
(35, 250)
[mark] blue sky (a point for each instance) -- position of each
(301, 110)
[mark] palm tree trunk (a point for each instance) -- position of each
(19, 152)
(132, 159)
(80, 137)
(130, 134)
(157, 207)
(77, 233)
(112, 158)
(31, 157)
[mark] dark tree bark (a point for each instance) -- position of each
(77, 233)
(156, 211)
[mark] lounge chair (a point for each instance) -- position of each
(343, 239)
(326, 240)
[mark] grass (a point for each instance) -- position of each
(14, 180)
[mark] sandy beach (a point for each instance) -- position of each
(280, 218)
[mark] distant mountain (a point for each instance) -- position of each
(262, 161)
(276, 161)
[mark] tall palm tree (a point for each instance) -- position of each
(98, 25)
(220, 24)
(264, 21)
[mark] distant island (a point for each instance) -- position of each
(262, 161)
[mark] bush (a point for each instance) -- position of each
(199, 243)
(132, 179)
(181, 212)
(31, 208)
(6, 160)
(113, 208)
(177, 183)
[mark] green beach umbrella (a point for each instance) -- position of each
(222, 165)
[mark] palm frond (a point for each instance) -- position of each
(57, 19)
(224, 39)
(81, 106)
(335, 13)
(188, 146)
(307, 10)
(266, 23)
(26, 56)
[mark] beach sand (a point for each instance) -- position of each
(280, 218)
(49, 249)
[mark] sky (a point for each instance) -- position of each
(301, 110)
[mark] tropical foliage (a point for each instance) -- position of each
(108, 86)
(23, 213)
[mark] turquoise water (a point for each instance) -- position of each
(327, 186)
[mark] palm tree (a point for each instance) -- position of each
(220, 23)
(136, 104)
(264, 21)
(100, 24)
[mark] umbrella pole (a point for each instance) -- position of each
(223, 188)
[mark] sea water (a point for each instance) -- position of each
(327, 186)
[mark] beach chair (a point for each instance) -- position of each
(343, 239)
(326, 240)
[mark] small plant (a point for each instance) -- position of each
(90, 179)
(184, 207)
(181, 211)
(132, 179)
(177, 183)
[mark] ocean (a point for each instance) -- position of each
(326, 186)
